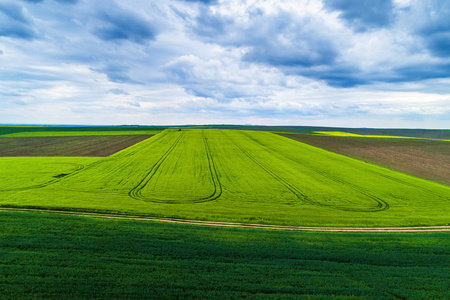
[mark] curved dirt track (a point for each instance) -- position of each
(237, 225)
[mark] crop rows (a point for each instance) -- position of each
(227, 175)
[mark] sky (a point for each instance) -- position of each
(350, 63)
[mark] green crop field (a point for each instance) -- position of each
(227, 175)
(213, 175)
(48, 256)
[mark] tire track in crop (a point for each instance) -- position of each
(118, 157)
(136, 192)
(381, 204)
(63, 176)
(132, 150)
(78, 169)
(57, 178)
(381, 174)
(212, 170)
(302, 197)
(430, 191)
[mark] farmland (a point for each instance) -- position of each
(412, 133)
(100, 146)
(227, 175)
(426, 158)
(215, 175)
(30, 131)
(46, 256)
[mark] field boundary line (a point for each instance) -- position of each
(78, 168)
(406, 229)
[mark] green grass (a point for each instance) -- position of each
(54, 256)
(228, 175)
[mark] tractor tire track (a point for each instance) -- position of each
(212, 170)
(136, 192)
(78, 169)
(300, 196)
(115, 157)
(381, 204)
(58, 178)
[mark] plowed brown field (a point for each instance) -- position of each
(95, 146)
(429, 159)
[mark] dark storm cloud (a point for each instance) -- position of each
(307, 47)
(286, 59)
(209, 24)
(15, 22)
(294, 45)
(363, 15)
(434, 25)
(344, 76)
(439, 44)
(116, 73)
(422, 71)
(121, 24)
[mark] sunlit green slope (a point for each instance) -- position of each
(228, 175)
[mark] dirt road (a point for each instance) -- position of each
(230, 224)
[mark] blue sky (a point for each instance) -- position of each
(378, 63)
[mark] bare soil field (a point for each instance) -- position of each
(88, 146)
(429, 159)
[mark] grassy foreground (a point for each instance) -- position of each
(47, 256)
(224, 175)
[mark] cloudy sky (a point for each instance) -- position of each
(377, 63)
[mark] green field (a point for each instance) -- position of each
(227, 175)
(31, 131)
(213, 175)
(52, 256)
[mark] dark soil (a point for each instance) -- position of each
(429, 159)
(95, 146)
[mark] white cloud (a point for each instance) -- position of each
(267, 62)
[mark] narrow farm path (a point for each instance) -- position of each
(445, 228)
